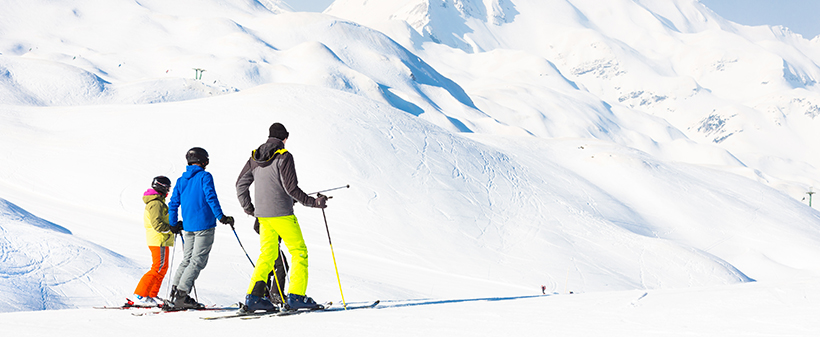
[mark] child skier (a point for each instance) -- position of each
(159, 237)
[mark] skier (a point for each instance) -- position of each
(271, 167)
(277, 277)
(159, 237)
(195, 193)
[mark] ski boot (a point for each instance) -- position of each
(255, 303)
(297, 302)
(183, 302)
(142, 301)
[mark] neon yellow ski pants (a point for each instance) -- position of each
(270, 229)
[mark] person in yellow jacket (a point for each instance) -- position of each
(159, 238)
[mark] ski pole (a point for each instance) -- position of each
(243, 247)
(171, 267)
(344, 304)
(278, 285)
(331, 189)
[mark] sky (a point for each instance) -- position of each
(801, 16)
(309, 5)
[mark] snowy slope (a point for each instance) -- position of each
(746, 310)
(476, 173)
(247, 45)
(462, 212)
(46, 268)
(749, 90)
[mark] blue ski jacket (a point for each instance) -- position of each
(195, 193)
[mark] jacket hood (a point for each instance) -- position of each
(151, 191)
(191, 170)
(151, 195)
(265, 153)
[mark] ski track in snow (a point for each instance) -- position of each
(47, 268)
(49, 263)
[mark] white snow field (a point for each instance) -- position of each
(645, 161)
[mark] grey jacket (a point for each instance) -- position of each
(271, 167)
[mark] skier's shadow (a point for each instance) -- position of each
(413, 303)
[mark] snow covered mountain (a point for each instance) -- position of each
(749, 90)
(492, 146)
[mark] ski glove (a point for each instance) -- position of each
(256, 226)
(321, 201)
(177, 228)
(228, 220)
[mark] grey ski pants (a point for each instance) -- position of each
(196, 248)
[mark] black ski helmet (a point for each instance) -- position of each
(161, 184)
(277, 130)
(197, 155)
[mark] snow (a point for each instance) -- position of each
(676, 60)
(645, 161)
(723, 311)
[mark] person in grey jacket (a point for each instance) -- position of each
(272, 168)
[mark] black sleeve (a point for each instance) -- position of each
(287, 172)
(243, 184)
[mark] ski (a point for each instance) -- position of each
(250, 315)
(170, 310)
(280, 313)
(236, 314)
(367, 305)
(126, 307)
(129, 304)
(329, 307)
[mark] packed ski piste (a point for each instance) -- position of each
(191, 216)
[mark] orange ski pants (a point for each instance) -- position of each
(152, 280)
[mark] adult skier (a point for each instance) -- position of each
(277, 277)
(195, 193)
(272, 168)
(159, 238)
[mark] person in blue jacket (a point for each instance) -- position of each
(194, 192)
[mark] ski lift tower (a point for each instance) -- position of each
(810, 193)
(199, 72)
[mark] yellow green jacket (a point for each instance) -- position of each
(157, 228)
